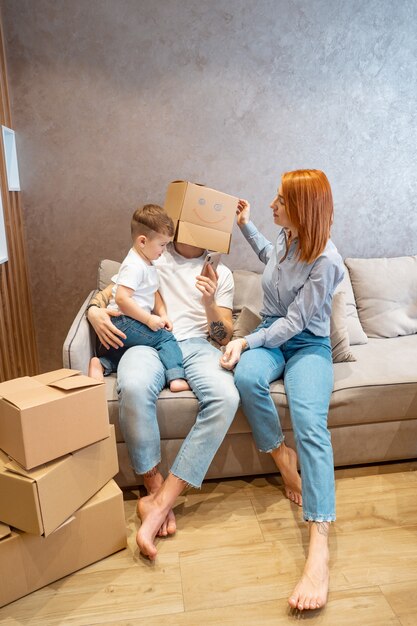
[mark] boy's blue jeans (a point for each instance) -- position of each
(140, 379)
(138, 334)
(305, 363)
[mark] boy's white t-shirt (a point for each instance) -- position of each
(177, 279)
(136, 274)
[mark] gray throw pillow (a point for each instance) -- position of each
(386, 295)
(339, 337)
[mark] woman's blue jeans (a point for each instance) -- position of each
(305, 363)
(138, 334)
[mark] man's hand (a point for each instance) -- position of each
(155, 322)
(108, 334)
(207, 285)
(232, 353)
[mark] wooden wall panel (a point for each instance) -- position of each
(18, 349)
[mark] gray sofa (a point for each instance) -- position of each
(373, 409)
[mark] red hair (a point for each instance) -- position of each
(309, 206)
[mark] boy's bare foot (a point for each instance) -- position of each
(311, 591)
(95, 369)
(179, 385)
(152, 481)
(286, 461)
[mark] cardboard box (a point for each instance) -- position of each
(44, 417)
(38, 501)
(202, 216)
(29, 562)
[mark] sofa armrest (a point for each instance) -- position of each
(79, 344)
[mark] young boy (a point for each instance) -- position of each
(135, 295)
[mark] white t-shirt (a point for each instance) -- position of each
(177, 279)
(136, 274)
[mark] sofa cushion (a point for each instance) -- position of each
(339, 337)
(355, 330)
(248, 290)
(245, 323)
(386, 295)
(106, 270)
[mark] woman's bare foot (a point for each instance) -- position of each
(286, 461)
(152, 481)
(311, 591)
(179, 384)
(95, 369)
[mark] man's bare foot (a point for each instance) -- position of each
(152, 481)
(95, 369)
(179, 384)
(153, 511)
(152, 519)
(286, 461)
(311, 591)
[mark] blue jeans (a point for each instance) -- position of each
(138, 334)
(141, 377)
(305, 362)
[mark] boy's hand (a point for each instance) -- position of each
(168, 325)
(155, 322)
(207, 285)
(243, 212)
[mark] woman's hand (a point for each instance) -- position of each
(243, 212)
(232, 353)
(207, 285)
(106, 331)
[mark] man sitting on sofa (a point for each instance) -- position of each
(198, 306)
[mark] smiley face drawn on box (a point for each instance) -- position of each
(206, 207)
(210, 215)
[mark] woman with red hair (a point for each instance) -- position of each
(302, 271)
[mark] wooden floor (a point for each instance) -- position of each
(239, 549)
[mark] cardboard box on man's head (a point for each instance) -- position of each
(203, 217)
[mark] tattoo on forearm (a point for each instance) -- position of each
(217, 331)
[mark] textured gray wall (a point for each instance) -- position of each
(112, 99)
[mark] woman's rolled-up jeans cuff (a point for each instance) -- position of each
(318, 518)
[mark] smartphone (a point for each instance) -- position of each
(213, 259)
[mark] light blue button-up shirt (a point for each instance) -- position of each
(298, 293)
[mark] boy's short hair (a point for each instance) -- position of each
(150, 220)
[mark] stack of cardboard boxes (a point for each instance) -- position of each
(59, 508)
